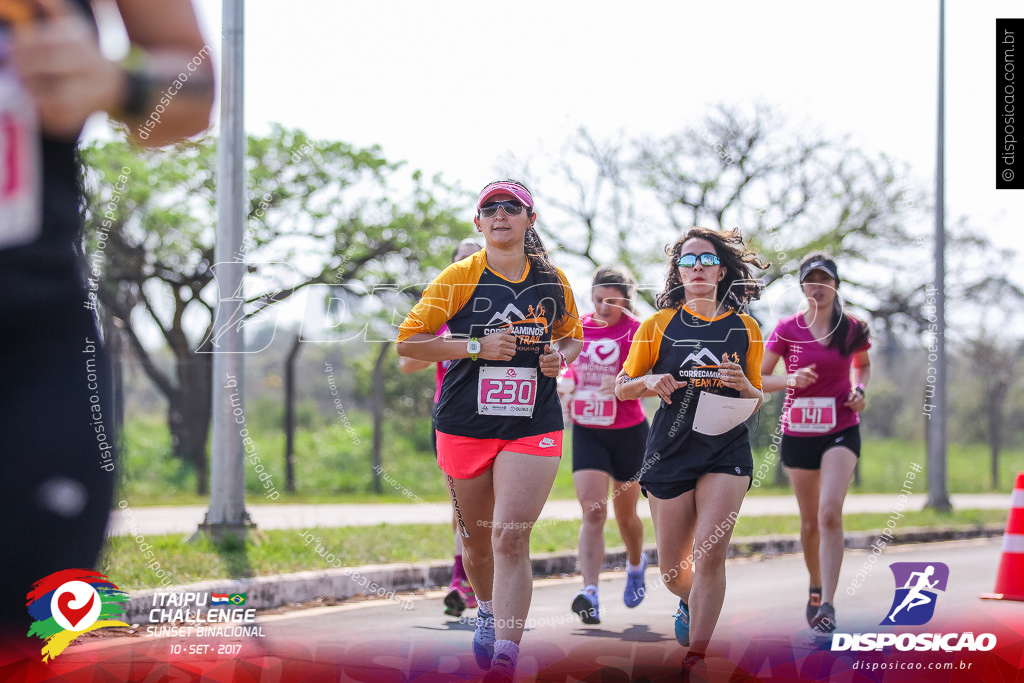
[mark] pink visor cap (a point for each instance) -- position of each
(503, 187)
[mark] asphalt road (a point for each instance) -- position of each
(761, 634)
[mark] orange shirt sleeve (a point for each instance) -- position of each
(443, 298)
(755, 352)
(644, 351)
(570, 325)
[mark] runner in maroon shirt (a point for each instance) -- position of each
(821, 432)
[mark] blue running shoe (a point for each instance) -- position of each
(683, 623)
(635, 589)
(483, 640)
(585, 604)
(694, 668)
(503, 670)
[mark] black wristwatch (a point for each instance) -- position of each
(139, 85)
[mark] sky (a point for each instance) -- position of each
(459, 87)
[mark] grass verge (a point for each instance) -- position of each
(285, 551)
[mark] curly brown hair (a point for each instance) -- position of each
(739, 286)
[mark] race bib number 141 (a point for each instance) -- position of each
(812, 415)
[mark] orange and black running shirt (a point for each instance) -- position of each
(690, 347)
(474, 301)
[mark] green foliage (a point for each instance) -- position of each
(333, 464)
(151, 472)
(269, 410)
(318, 212)
(406, 396)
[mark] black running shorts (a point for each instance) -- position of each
(619, 452)
(805, 452)
(674, 489)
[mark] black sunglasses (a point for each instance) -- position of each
(706, 259)
(510, 206)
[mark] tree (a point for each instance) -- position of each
(318, 213)
(995, 362)
(790, 193)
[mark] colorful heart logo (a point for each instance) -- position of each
(604, 352)
(72, 614)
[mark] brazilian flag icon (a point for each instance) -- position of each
(237, 598)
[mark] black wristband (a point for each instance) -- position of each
(138, 88)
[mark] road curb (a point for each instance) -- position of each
(390, 580)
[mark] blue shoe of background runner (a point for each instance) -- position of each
(585, 604)
(683, 623)
(503, 670)
(635, 590)
(483, 640)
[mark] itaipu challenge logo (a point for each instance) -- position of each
(68, 603)
(916, 586)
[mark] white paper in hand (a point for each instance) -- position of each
(718, 414)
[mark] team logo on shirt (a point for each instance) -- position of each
(602, 352)
(506, 315)
(703, 372)
(703, 356)
(529, 327)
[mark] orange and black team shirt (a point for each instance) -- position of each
(679, 342)
(474, 301)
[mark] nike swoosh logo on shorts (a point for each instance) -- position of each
(547, 442)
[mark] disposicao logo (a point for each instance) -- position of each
(916, 583)
(68, 603)
(914, 605)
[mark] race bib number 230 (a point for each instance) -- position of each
(507, 391)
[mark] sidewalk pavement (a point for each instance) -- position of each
(185, 519)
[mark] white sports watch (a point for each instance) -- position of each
(473, 347)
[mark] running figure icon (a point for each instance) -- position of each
(915, 597)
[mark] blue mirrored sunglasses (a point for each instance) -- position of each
(706, 259)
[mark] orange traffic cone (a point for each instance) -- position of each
(1010, 580)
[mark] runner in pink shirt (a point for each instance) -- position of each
(608, 439)
(822, 348)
